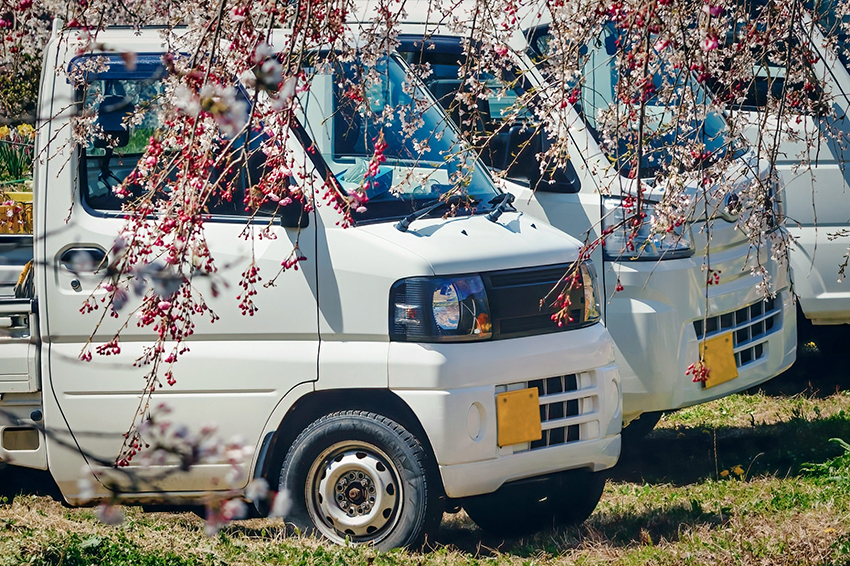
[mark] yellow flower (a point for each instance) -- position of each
(25, 130)
(724, 473)
(739, 471)
(4, 131)
(829, 530)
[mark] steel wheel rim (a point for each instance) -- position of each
(353, 491)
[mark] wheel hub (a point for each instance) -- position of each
(355, 491)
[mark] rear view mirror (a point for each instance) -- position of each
(291, 215)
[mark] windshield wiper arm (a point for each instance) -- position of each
(405, 222)
(502, 203)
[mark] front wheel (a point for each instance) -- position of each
(832, 341)
(578, 501)
(360, 477)
(636, 430)
(563, 499)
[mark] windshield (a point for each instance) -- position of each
(509, 137)
(604, 112)
(379, 132)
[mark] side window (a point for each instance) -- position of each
(126, 105)
(126, 117)
(769, 83)
(768, 74)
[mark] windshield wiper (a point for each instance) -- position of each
(501, 204)
(405, 222)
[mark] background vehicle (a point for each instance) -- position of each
(817, 194)
(666, 306)
(394, 374)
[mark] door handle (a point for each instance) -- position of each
(83, 259)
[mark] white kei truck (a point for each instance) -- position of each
(366, 382)
(669, 302)
(817, 190)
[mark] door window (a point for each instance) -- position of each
(126, 104)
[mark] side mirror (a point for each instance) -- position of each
(293, 215)
(521, 162)
(558, 179)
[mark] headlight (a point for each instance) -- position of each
(645, 245)
(591, 292)
(439, 309)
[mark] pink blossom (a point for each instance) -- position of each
(712, 10)
(85, 488)
(238, 13)
(258, 489)
(710, 42)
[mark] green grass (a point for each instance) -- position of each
(784, 499)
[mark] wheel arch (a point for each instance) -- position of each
(315, 405)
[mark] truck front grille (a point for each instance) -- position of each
(569, 409)
(750, 326)
(521, 301)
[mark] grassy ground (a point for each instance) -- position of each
(723, 483)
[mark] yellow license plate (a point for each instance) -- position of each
(518, 416)
(719, 356)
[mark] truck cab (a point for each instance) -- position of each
(416, 363)
(660, 302)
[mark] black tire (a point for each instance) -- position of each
(361, 477)
(567, 498)
(831, 340)
(637, 429)
(512, 512)
(577, 502)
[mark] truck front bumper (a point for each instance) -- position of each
(452, 389)
(665, 310)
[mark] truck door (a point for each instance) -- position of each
(237, 368)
